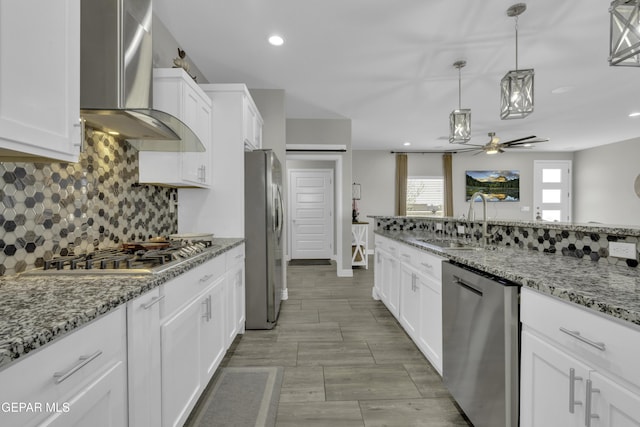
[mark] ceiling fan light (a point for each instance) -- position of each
(460, 126)
(492, 150)
(624, 35)
(516, 94)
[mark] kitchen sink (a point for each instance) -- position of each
(456, 245)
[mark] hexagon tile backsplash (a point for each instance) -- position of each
(48, 209)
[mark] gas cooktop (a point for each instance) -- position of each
(123, 260)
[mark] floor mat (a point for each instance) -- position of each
(240, 397)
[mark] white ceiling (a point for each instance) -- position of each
(388, 65)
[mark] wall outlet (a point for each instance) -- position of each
(461, 229)
(623, 250)
(438, 226)
(525, 209)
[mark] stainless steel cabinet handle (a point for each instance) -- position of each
(407, 256)
(153, 301)
(572, 390)
(210, 311)
(82, 361)
(429, 266)
(588, 416)
(81, 124)
(205, 278)
(576, 334)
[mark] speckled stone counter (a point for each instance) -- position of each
(35, 310)
(609, 289)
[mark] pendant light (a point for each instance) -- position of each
(624, 37)
(516, 87)
(460, 119)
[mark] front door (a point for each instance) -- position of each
(311, 198)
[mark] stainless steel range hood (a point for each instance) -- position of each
(116, 71)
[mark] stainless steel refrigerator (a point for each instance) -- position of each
(263, 221)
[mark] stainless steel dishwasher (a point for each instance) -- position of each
(481, 344)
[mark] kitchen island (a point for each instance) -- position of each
(37, 310)
(605, 288)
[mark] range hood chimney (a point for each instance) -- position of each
(116, 77)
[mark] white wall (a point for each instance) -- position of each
(330, 132)
(603, 181)
(375, 171)
(521, 161)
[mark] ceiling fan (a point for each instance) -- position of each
(494, 145)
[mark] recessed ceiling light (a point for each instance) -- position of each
(634, 114)
(406, 144)
(276, 40)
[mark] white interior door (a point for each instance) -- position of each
(552, 190)
(311, 201)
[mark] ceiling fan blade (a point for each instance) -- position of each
(519, 140)
(534, 141)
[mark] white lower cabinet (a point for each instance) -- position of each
(235, 295)
(577, 368)
(143, 352)
(192, 346)
(409, 300)
(78, 380)
(409, 282)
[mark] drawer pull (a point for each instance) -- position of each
(588, 416)
(239, 256)
(572, 391)
(206, 278)
(576, 334)
(153, 301)
(427, 265)
(406, 256)
(82, 361)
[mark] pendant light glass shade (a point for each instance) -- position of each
(460, 119)
(624, 46)
(516, 87)
(460, 126)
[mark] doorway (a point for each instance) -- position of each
(552, 190)
(311, 215)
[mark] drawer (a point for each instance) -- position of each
(426, 263)
(234, 256)
(547, 315)
(187, 286)
(59, 370)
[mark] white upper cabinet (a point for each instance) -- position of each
(40, 80)
(175, 92)
(252, 125)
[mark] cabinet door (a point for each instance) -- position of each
(546, 386)
(378, 275)
(430, 323)
(102, 403)
(237, 279)
(212, 329)
(409, 300)
(143, 346)
(180, 360)
(614, 405)
(40, 78)
(196, 167)
(390, 286)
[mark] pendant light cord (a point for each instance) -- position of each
(516, 43)
(459, 89)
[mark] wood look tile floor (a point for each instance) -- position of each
(347, 360)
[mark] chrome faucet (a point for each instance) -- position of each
(472, 217)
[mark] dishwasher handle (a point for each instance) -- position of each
(466, 285)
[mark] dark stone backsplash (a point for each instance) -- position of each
(548, 238)
(49, 209)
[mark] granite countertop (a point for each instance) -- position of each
(35, 310)
(609, 289)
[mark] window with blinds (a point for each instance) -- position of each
(425, 196)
